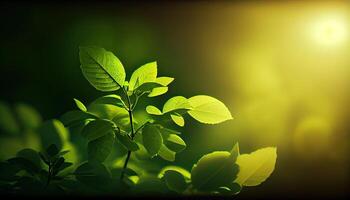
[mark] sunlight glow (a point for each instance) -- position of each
(330, 31)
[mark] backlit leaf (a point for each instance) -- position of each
(80, 105)
(158, 91)
(166, 153)
(146, 73)
(165, 81)
(208, 110)
(175, 143)
(153, 110)
(178, 119)
(256, 167)
(101, 68)
(176, 103)
(175, 181)
(96, 129)
(214, 170)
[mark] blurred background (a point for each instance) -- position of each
(282, 68)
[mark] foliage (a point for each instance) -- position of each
(116, 147)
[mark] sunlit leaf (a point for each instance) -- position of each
(147, 87)
(208, 110)
(175, 143)
(178, 119)
(256, 167)
(176, 103)
(181, 170)
(214, 170)
(101, 68)
(165, 81)
(152, 139)
(146, 73)
(166, 153)
(158, 91)
(153, 110)
(80, 105)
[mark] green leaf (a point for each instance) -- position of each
(176, 103)
(178, 119)
(146, 73)
(101, 68)
(80, 105)
(208, 110)
(180, 170)
(153, 110)
(214, 170)
(175, 143)
(53, 132)
(97, 128)
(152, 139)
(146, 87)
(71, 117)
(127, 142)
(166, 153)
(175, 181)
(165, 81)
(28, 116)
(256, 167)
(111, 99)
(158, 91)
(100, 148)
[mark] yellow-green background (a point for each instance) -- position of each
(285, 84)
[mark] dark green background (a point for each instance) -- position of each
(40, 66)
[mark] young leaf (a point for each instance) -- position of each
(152, 139)
(96, 129)
(208, 110)
(175, 181)
(214, 170)
(153, 110)
(146, 73)
(166, 153)
(165, 81)
(175, 143)
(158, 91)
(101, 68)
(100, 148)
(176, 103)
(256, 167)
(178, 119)
(80, 105)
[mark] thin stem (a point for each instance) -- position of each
(132, 134)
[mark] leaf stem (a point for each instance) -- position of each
(130, 109)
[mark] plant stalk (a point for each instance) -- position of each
(130, 108)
